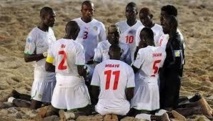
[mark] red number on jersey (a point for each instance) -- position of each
(156, 66)
(85, 35)
(108, 74)
(61, 65)
(129, 39)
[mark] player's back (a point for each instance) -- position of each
(153, 59)
(65, 54)
(115, 77)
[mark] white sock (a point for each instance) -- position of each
(143, 116)
(69, 115)
(10, 99)
(160, 112)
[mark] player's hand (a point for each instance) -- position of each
(45, 54)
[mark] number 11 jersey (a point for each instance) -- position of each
(113, 77)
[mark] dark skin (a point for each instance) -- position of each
(146, 19)
(131, 13)
(95, 90)
(47, 21)
(87, 11)
(113, 35)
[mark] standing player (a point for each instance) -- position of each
(146, 17)
(102, 50)
(167, 11)
(37, 43)
(113, 80)
(91, 32)
(66, 57)
(149, 60)
(170, 77)
(129, 26)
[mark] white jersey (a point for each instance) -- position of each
(146, 93)
(67, 54)
(157, 30)
(113, 77)
(90, 34)
(101, 52)
(165, 37)
(149, 60)
(128, 34)
(38, 42)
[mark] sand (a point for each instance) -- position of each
(18, 17)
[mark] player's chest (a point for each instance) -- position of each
(89, 31)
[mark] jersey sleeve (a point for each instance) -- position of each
(102, 35)
(80, 55)
(131, 77)
(98, 55)
(137, 36)
(30, 43)
(139, 59)
(95, 77)
(128, 56)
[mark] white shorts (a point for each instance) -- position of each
(70, 93)
(43, 86)
(120, 110)
(146, 95)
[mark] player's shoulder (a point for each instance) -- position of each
(158, 26)
(104, 43)
(77, 19)
(120, 23)
(97, 22)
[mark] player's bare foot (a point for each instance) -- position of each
(114, 117)
(64, 116)
(177, 116)
(205, 108)
(107, 117)
(165, 117)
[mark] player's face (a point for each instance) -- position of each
(49, 19)
(131, 13)
(142, 43)
(162, 15)
(113, 37)
(145, 19)
(166, 26)
(87, 11)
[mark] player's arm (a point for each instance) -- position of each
(129, 93)
(33, 57)
(128, 56)
(49, 64)
(136, 65)
(95, 86)
(30, 49)
(130, 84)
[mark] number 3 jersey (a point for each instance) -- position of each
(113, 77)
(149, 60)
(66, 54)
(90, 34)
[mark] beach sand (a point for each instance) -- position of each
(18, 17)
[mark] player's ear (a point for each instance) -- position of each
(151, 16)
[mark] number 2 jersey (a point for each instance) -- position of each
(66, 54)
(113, 77)
(90, 34)
(149, 60)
